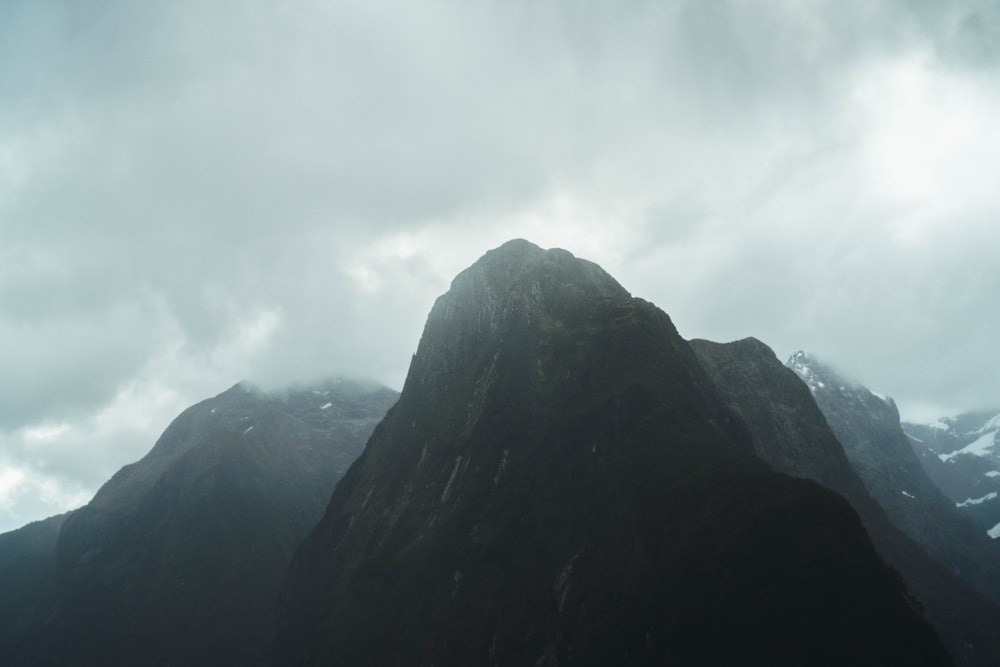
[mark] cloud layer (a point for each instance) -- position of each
(192, 194)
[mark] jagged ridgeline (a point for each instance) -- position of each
(793, 414)
(868, 426)
(560, 483)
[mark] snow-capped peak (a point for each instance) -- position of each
(801, 363)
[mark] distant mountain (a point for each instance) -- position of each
(791, 433)
(560, 483)
(178, 559)
(869, 428)
(962, 455)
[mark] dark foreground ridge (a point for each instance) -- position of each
(560, 483)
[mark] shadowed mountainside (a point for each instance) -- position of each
(791, 433)
(869, 429)
(27, 578)
(179, 557)
(561, 484)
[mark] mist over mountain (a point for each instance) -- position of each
(962, 455)
(791, 433)
(560, 483)
(563, 480)
(179, 557)
(868, 427)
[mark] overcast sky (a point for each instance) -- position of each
(194, 193)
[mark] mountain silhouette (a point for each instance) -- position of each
(561, 483)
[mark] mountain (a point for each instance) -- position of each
(962, 455)
(27, 578)
(791, 433)
(788, 429)
(179, 557)
(560, 483)
(868, 427)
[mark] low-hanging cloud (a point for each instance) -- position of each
(192, 194)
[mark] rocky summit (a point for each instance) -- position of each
(561, 483)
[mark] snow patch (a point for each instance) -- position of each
(938, 425)
(992, 425)
(994, 532)
(249, 428)
(454, 471)
(799, 363)
(325, 406)
(882, 397)
(993, 473)
(368, 496)
(977, 501)
(908, 494)
(981, 447)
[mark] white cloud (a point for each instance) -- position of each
(11, 483)
(195, 194)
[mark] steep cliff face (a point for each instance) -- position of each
(178, 559)
(868, 427)
(791, 433)
(789, 430)
(561, 484)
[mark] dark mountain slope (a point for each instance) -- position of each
(791, 433)
(27, 576)
(560, 484)
(179, 558)
(868, 427)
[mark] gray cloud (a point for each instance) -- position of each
(192, 194)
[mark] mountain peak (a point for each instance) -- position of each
(520, 263)
(820, 377)
(515, 285)
(560, 483)
(808, 369)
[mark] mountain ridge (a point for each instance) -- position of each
(792, 434)
(560, 483)
(179, 556)
(962, 456)
(869, 428)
